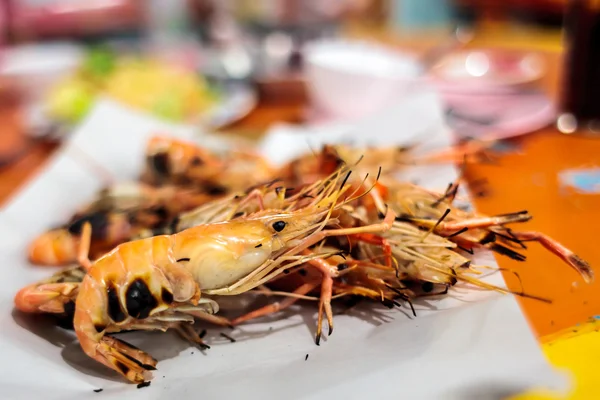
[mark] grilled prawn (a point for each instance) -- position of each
(158, 282)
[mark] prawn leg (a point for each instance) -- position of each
(325, 305)
(255, 194)
(201, 312)
(277, 306)
(129, 361)
(576, 262)
(84, 246)
(132, 352)
(329, 272)
(383, 226)
(378, 241)
(471, 223)
(187, 332)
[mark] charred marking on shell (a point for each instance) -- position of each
(144, 384)
(505, 251)
(183, 259)
(115, 312)
(139, 300)
(488, 238)
(124, 369)
(69, 308)
(258, 245)
(404, 218)
(453, 278)
(342, 266)
(238, 214)
(286, 271)
(166, 296)
(98, 220)
(174, 223)
(427, 287)
(138, 362)
(124, 343)
(196, 161)
(160, 163)
(388, 303)
(511, 238)
(302, 272)
(161, 212)
(226, 336)
(214, 189)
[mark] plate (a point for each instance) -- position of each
(470, 344)
(487, 71)
(498, 116)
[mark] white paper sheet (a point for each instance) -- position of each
(473, 344)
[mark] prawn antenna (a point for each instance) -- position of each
(439, 221)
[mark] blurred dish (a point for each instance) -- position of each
(351, 79)
(31, 69)
(487, 70)
(162, 89)
(169, 91)
(498, 116)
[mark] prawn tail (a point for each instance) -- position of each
(53, 248)
(49, 298)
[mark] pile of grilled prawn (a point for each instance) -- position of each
(156, 254)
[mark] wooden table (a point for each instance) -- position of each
(524, 180)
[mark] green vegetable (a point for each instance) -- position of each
(168, 107)
(99, 62)
(71, 102)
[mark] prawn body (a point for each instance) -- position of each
(157, 282)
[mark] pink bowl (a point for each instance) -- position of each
(487, 70)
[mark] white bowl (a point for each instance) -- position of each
(348, 79)
(32, 69)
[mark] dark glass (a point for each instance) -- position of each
(580, 95)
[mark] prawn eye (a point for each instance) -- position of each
(279, 225)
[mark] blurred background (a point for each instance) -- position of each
(243, 65)
(521, 75)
